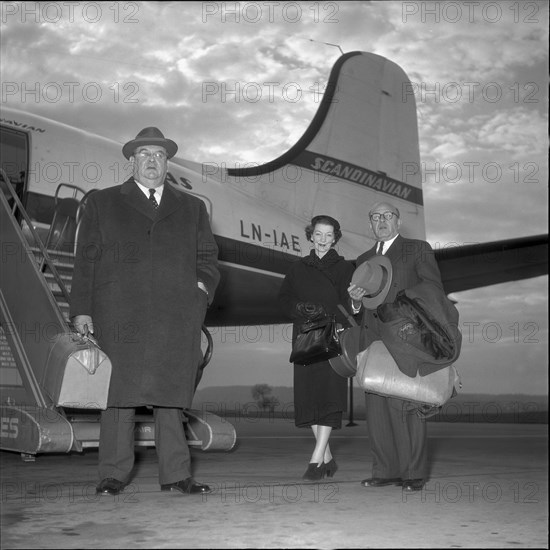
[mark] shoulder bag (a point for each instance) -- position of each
(316, 341)
(345, 364)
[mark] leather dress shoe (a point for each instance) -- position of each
(381, 481)
(413, 484)
(110, 486)
(188, 486)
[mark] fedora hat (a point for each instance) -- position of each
(150, 136)
(375, 277)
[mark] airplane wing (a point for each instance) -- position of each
(477, 265)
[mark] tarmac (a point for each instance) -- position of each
(488, 489)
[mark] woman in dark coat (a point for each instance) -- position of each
(318, 283)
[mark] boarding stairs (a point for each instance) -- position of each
(50, 403)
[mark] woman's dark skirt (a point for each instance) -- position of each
(320, 395)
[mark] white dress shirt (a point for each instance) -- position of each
(387, 244)
(158, 191)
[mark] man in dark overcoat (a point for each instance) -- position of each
(397, 434)
(145, 272)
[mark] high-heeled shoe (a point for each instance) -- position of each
(315, 471)
(331, 467)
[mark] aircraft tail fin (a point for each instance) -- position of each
(361, 147)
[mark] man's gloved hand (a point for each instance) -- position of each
(310, 311)
(83, 324)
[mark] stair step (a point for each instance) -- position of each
(65, 277)
(61, 267)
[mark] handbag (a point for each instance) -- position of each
(345, 364)
(377, 372)
(316, 341)
(77, 373)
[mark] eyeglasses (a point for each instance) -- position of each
(158, 155)
(376, 217)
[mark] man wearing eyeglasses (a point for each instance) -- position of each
(145, 272)
(397, 434)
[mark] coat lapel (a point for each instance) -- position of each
(170, 202)
(395, 251)
(134, 197)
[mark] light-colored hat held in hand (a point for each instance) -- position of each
(375, 276)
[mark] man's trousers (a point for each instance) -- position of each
(116, 444)
(398, 438)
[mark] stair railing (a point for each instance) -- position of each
(18, 205)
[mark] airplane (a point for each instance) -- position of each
(361, 147)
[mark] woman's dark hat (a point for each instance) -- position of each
(375, 276)
(150, 136)
(332, 221)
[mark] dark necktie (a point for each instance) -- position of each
(152, 199)
(380, 247)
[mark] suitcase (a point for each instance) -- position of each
(377, 372)
(77, 373)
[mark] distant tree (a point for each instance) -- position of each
(269, 402)
(260, 392)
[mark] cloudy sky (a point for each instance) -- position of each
(198, 71)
